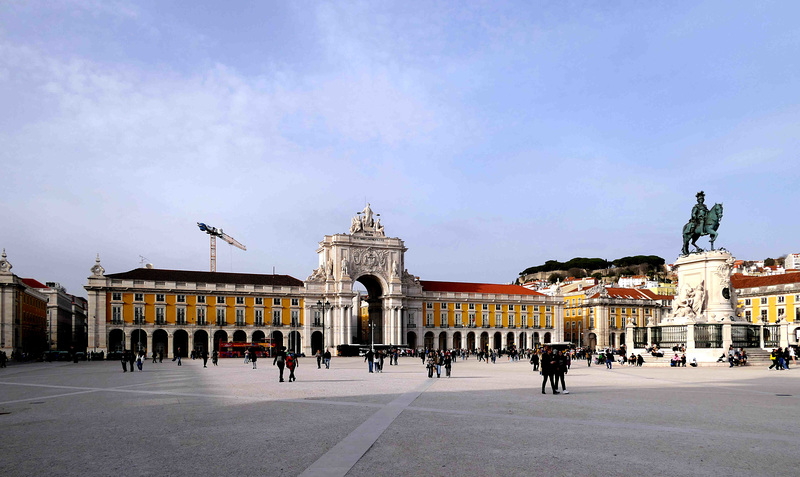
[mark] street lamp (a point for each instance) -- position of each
(322, 307)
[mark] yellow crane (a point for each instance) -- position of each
(214, 233)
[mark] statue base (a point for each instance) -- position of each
(705, 294)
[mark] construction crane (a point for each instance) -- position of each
(214, 233)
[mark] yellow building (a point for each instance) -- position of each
(609, 310)
(769, 299)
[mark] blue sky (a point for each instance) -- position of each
(491, 136)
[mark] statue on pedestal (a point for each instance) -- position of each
(702, 222)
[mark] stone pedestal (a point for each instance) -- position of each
(705, 294)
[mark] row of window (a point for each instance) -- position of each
(200, 316)
(471, 306)
(161, 298)
(471, 319)
(763, 300)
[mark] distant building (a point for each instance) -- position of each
(770, 299)
(23, 313)
(66, 317)
(792, 261)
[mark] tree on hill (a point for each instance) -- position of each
(769, 262)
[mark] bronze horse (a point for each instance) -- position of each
(708, 227)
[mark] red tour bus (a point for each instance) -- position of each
(237, 349)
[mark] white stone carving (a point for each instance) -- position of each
(364, 223)
(344, 267)
(97, 270)
(369, 260)
(5, 265)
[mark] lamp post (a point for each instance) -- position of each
(322, 307)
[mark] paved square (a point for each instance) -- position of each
(91, 419)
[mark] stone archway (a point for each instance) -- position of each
(443, 340)
(139, 340)
(497, 342)
(316, 342)
(547, 337)
(523, 341)
(471, 340)
(200, 341)
(510, 340)
(277, 339)
(160, 341)
(375, 323)
(220, 336)
(411, 339)
(239, 336)
(180, 343)
(429, 340)
(457, 340)
(592, 341)
(116, 340)
(484, 340)
(612, 340)
(536, 339)
(258, 336)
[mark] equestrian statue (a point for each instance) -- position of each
(702, 222)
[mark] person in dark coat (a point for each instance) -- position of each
(205, 357)
(327, 358)
(548, 370)
(561, 368)
(291, 364)
(131, 359)
(535, 361)
(124, 360)
(370, 357)
(253, 356)
(280, 361)
(214, 358)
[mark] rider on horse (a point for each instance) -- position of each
(699, 212)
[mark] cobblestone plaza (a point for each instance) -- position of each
(92, 419)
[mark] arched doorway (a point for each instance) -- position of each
(239, 336)
(429, 340)
(277, 339)
(498, 340)
(374, 334)
(220, 336)
(180, 343)
(411, 339)
(443, 340)
(471, 340)
(536, 340)
(115, 340)
(200, 341)
(621, 339)
(139, 340)
(295, 344)
(258, 336)
(547, 337)
(316, 342)
(160, 342)
(510, 340)
(484, 340)
(612, 340)
(523, 341)
(592, 341)
(457, 340)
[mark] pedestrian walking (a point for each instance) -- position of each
(254, 357)
(155, 356)
(280, 361)
(609, 358)
(379, 362)
(370, 357)
(327, 357)
(535, 361)
(561, 369)
(214, 357)
(124, 360)
(178, 355)
(246, 356)
(548, 370)
(448, 364)
(291, 364)
(131, 359)
(140, 360)
(319, 358)
(430, 364)
(205, 357)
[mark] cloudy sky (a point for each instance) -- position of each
(490, 136)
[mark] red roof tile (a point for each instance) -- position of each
(157, 274)
(742, 281)
(461, 287)
(633, 294)
(33, 283)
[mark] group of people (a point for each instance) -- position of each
(438, 359)
(323, 358)
(736, 357)
(135, 360)
(284, 360)
(780, 358)
(554, 366)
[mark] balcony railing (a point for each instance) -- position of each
(411, 325)
(471, 325)
(498, 325)
(202, 322)
(317, 324)
(428, 325)
(512, 327)
(240, 323)
(485, 325)
(295, 324)
(277, 323)
(116, 321)
(161, 321)
(458, 325)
